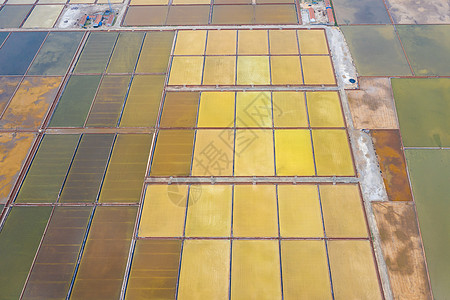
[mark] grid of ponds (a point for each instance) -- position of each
(390, 39)
(251, 57)
(104, 117)
(413, 42)
(90, 122)
(426, 144)
(402, 50)
(30, 14)
(207, 12)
